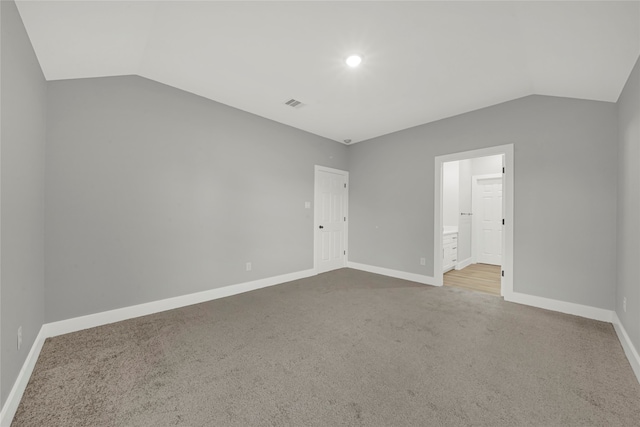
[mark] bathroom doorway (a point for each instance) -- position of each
(474, 211)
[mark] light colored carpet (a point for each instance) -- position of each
(344, 348)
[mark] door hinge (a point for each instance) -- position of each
(502, 273)
(345, 218)
(345, 185)
(502, 221)
(344, 252)
(502, 170)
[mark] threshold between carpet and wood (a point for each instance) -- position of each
(475, 277)
(342, 348)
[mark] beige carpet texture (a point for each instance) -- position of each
(344, 348)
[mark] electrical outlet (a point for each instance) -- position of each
(19, 337)
(624, 304)
(423, 261)
(248, 266)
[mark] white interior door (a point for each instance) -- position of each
(487, 213)
(330, 219)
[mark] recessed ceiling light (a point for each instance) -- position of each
(353, 60)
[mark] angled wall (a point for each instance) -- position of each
(23, 111)
(152, 192)
(628, 264)
(565, 194)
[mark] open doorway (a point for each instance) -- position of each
(473, 244)
(472, 219)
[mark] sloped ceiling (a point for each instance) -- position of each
(423, 61)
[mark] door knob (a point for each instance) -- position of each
(321, 226)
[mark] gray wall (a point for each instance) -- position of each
(152, 192)
(565, 193)
(629, 206)
(22, 188)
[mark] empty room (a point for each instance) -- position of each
(310, 213)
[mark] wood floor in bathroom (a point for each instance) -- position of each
(476, 277)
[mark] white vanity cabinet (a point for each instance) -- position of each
(449, 251)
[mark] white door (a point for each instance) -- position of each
(487, 213)
(330, 219)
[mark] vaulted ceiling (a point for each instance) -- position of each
(423, 61)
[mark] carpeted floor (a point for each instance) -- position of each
(345, 348)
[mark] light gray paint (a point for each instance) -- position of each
(565, 193)
(629, 206)
(22, 138)
(152, 192)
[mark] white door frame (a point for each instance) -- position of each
(317, 169)
(474, 219)
(508, 194)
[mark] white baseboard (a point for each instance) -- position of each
(92, 320)
(98, 319)
(586, 311)
(427, 280)
(629, 349)
(561, 306)
(464, 263)
(15, 395)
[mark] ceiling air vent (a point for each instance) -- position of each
(294, 103)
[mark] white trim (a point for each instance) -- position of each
(98, 319)
(587, 311)
(92, 320)
(318, 168)
(15, 395)
(508, 192)
(438, 229)
(426, 280)
(487, 176)
(465, 263)
(629, 349)
(330, 170)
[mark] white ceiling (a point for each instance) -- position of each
(423, 61)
